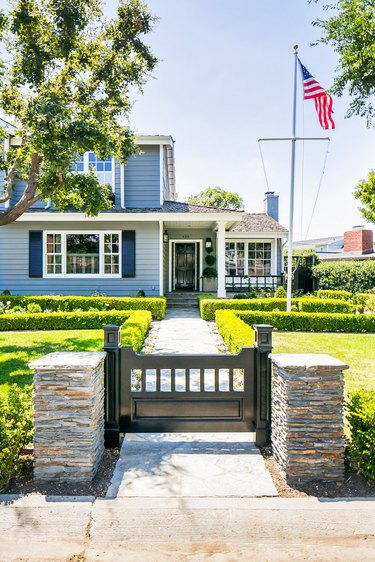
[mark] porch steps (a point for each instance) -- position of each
(182, 300)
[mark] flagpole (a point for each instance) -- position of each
(291, 201)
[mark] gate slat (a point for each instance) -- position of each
(230, 380)
(201, 379)
(187, 379)
(158, 380)
(173, 380)
(216, 380)
(143, 380)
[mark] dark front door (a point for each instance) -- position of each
(185, 266)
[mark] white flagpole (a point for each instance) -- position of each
(291, 202)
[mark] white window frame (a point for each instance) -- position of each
(255, 241)
(100, 275)
(86, 168)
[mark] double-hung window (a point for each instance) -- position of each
(259, 258)
(82, 254)
(103, 169)
(248, 258)
(235, 258)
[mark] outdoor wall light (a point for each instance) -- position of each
(165, 237)
(208, 243)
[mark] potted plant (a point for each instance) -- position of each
(209, 273)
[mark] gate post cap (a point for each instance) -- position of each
(112, 335)
(263, 335)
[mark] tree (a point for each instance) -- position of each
(365, 191)
(217, 197)
(351, 31)
(66, 86)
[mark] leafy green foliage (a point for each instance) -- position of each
(88, 320)
(354, 276)
(66, 83)
(305, 304)
(333, 294)
(361, 419)
(156, 305)
(234, 331)
(217, 197)
(16, 430)
(351, 32)
(280, 293)
(310, 321)
(134, 330)
(365, 192)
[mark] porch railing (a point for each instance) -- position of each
(241, 284)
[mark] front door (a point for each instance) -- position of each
(185, 273)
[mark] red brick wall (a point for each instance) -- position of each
(358, 241)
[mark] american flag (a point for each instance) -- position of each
(312, 90)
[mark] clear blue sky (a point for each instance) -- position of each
(224, 80)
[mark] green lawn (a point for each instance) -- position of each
(17, 349)
(356, 350)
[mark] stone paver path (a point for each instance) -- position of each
(183, 331)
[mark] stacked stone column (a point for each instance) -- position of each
(307, 416)
(69, 416)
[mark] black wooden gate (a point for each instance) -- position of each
(192, 393)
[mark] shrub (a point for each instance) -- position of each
(63, 320)
(361, 419)
(330, 294)
(307, 304)
(234, 331)
(16, 430)
(309, 321)
(135, 328)
(280, 293)
(156, 305)
(355, 276)
(210, 259)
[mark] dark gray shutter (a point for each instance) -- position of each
(35, 253)
(128, 253)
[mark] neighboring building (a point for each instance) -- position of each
(355, 244)
(147, 240)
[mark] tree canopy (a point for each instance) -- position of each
(64, 82)
(351, 32)
(217, 197)
(365, 192)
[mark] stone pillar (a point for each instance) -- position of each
(307, 416)
(69, 416)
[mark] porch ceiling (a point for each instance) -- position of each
(192, 225)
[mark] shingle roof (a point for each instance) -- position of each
(258, 222)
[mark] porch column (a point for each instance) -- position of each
(220, 256)
(161, 258)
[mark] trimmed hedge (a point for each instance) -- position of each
(361, 419)
(156, 305)
(63, 320)
(308, 321)
(330, 294)
(354, 276)
(234, 331)
(134, 330)
(16, 430)
(325, 305)
(208, 307)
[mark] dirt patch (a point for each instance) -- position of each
(24, 484)
(353, 486)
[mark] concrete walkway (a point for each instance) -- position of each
(40, 529)
(183, 331)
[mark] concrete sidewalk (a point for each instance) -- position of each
(39, 529)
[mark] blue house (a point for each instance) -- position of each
(148, 240)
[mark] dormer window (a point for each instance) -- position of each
(103, 169)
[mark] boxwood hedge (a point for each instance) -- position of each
(135, 328)
(156, 305)
(361, 419)
(234, 331)
(63, 320)
(208, 307)
(309, 321)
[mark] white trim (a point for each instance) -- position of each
(220, 256)
(171, 264)
(113, 175)
(122, 186)
(161, 173)
(247, 241)
(64, 275)
(154, 139)
(246, 236)
(135, 217)
(161, 259)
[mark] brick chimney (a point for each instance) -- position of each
(271, 205)
(358, 240)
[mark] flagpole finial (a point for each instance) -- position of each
(295, 47)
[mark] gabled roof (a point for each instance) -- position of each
(258, 222)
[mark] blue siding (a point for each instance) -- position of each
(118, 186)
(14, 261)
(2, 175)
(19, 186)
(142, 179)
